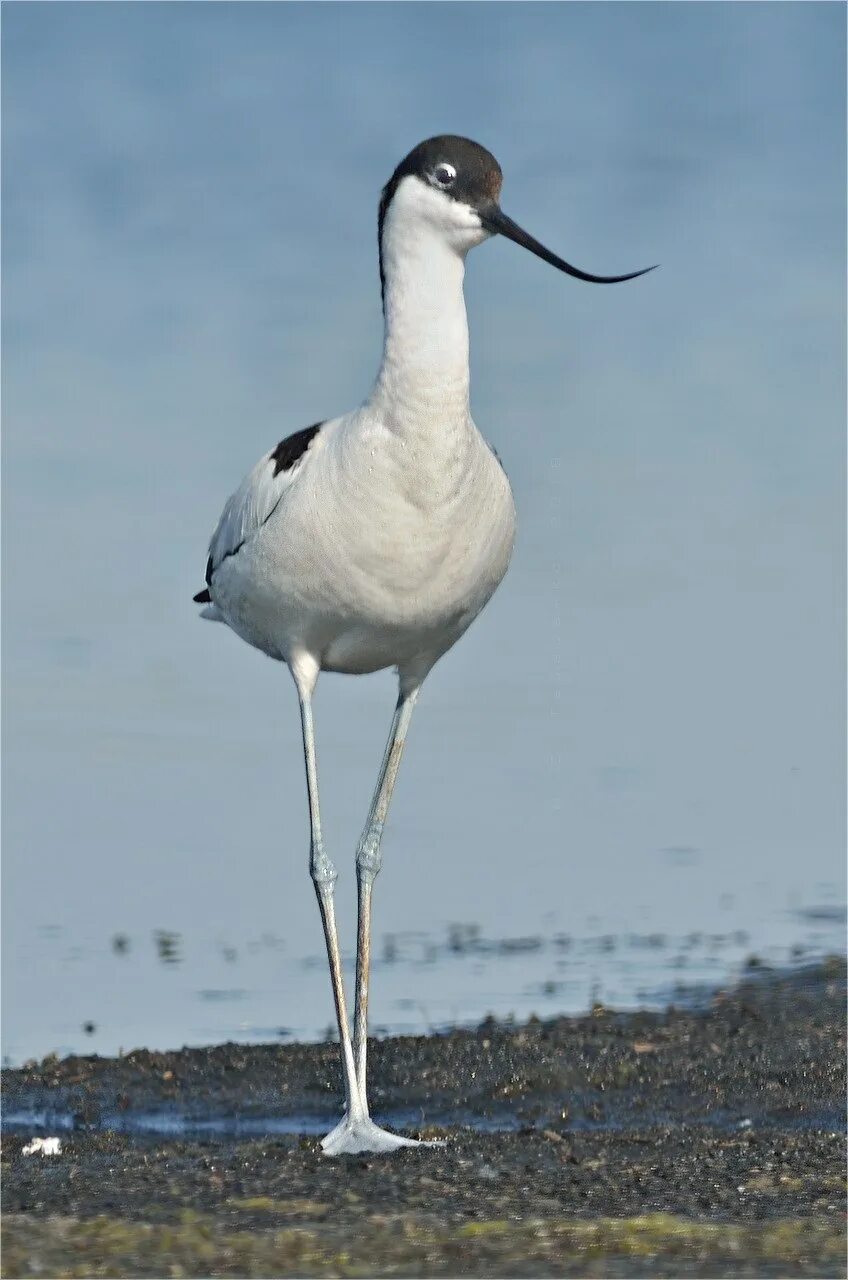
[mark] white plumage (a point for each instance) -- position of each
(351, 558)
(374, 539)
(384, 539)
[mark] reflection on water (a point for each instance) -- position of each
(167, 946)
(174, 987)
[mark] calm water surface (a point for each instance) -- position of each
(162, 989)
(630, 773)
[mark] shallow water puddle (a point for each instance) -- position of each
(177, 1124)
(180, 1124)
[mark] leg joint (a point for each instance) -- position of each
(322, 870)
(369, 855)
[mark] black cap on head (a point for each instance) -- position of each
(470, 174)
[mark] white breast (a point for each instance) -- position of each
(375, 552)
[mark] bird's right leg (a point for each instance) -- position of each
(355, 1132)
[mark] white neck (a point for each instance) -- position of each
(424, 371)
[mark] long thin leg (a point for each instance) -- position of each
(324, 877)
(355, 1132)
(369, 859)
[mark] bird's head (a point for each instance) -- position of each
(452, 186)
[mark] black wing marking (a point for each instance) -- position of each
(293, 447)
(254, 502)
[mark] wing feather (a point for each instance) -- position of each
(256, 499)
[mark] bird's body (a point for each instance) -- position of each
(385, 537)
(380, 546)
(374, 539)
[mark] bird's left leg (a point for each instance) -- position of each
(356, 1131)
(369, 859)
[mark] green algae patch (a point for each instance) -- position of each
(200, 1245)
(280, 1208)
(476, 1229)
(659, 1234)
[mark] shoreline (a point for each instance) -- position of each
(709, 1142)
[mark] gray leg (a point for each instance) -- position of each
(369, 859)
(355, 1132)
(324, 878)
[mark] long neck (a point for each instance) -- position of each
(424, 372)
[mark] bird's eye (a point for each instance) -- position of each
(444, 174)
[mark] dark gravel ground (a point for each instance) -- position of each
(674, 1144)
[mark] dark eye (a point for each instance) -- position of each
(444, 174)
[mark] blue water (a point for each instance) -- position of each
(643, 735)
(161, 989)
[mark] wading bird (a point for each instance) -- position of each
(373, 540)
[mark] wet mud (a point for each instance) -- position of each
(683, 1143)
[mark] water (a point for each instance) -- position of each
(162, 989)
(177, 1124)
(644, 732)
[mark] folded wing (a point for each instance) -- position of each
(255, 500)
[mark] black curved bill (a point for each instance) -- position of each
(495, 220)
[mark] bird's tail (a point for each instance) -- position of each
(211, 613)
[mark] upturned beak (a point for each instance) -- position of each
(496, 221)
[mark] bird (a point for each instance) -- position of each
(373, 540)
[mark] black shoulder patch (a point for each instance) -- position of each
(293, 447)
